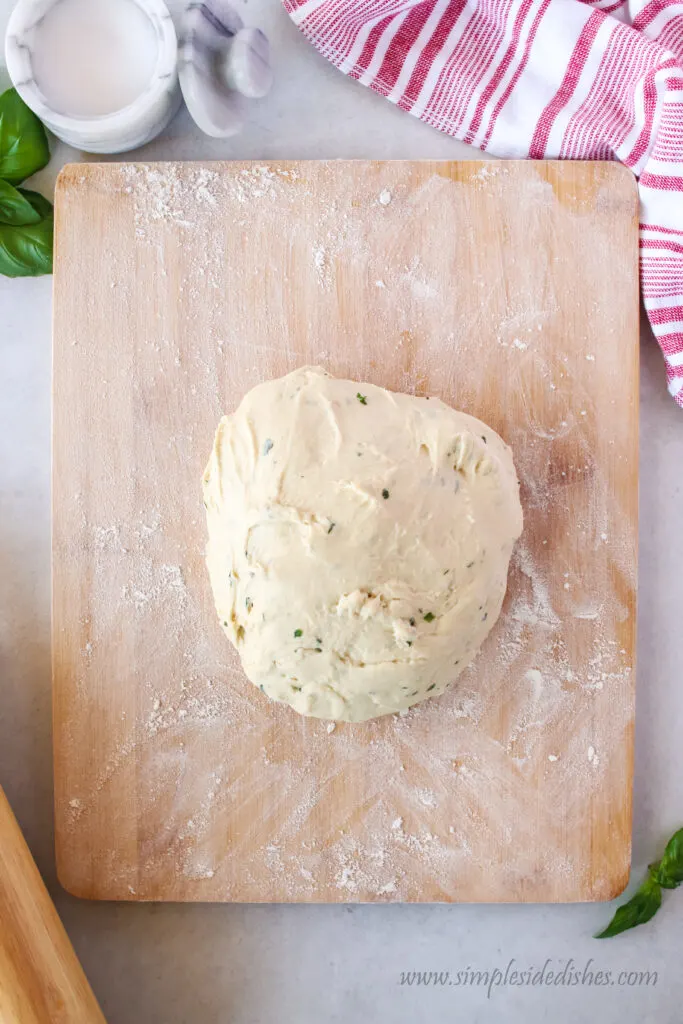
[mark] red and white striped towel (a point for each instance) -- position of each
(573, 79)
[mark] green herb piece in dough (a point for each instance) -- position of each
(385, 494)
(361, 398)
(429, 617)
(298, 633)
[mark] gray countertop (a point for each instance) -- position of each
(166, 964)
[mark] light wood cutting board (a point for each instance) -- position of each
(507, 289)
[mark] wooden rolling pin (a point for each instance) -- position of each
(41, 979)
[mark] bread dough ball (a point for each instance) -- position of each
(359, 542)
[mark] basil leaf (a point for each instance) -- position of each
(643, 905)
(40, 204)
(15, 208)
(26, 249)
(23, 141)
(669, 871)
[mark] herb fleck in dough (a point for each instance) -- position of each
(359, 542)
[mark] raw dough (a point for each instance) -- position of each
(359, 542)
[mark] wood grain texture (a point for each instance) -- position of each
(510, 290)
(41, 979)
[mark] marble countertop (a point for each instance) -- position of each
(167, 964)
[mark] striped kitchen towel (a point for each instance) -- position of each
(577, 80)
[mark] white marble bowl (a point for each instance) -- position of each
(123, 130)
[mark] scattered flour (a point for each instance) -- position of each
(152, 584)
(236, 795)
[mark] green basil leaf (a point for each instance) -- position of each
(23, 141)
(26, 249)
(669, 871)
(643, 905)
(15, 208)
(40, 204)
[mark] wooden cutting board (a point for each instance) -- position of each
(509, 290)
